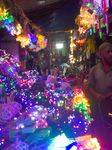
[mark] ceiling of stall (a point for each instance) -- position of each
(49, 14)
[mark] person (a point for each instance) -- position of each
(99, 89)
(37, 67)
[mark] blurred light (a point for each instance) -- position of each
(59, 45)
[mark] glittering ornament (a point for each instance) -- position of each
(24, 39)
(60, 143)
(3, 13)
(42, 42)
(86, 19)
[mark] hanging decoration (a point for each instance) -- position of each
(93, 16)
(24, 39)
(87, 143)
(86, 19)
(81, 30)
(80, 42)
(72, 46)
(41, 42)
(14, 30)
(3, 13)
(9, 64)
(8, 22)
(34, 42)
(37, 43)
(91, 44)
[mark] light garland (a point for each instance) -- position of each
(86, 142)
(9, 64)
(72, 46)
(93, 16)
(41, 42)
(36, 115)
(86, 19)
(23, 39)
(28, 78)
(81, 30)
(3, 13)
(14, 30)
(81, 102)
(8, 22)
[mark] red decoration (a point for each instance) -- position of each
(104, 5)
(99, 23)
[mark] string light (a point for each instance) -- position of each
(23, 39)
(81, 102)
(3, 13)
(72, 46)
(91, 144)
(15, 30)
(86, 19)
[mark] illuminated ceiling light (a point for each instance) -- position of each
(59, 45)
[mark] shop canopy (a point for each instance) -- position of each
(61, 17)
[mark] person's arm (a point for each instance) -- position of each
(96, 95)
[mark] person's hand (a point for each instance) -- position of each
(108, 96)
(99, 97)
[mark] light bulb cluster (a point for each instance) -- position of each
(23, 39)
(91, 144)
(22, 34)
(14, 30)
(72, 47)
(9, 64)
(61, 142)
(86, 19)
(36, 115)
(3, 13)
(81, 102)
(28, 78)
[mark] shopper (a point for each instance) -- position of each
(100, 88)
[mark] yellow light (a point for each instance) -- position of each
(3, 12)
(85, 19)
(25, 40)
(19, 29)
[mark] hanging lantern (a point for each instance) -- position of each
(42, 42)
(24, 39)
(3, 13)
